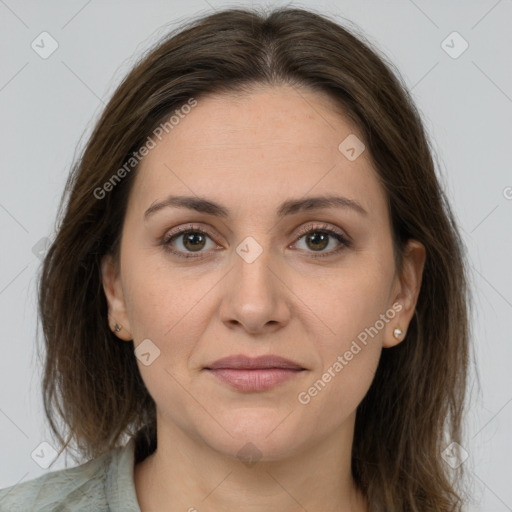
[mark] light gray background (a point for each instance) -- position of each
(48, 107)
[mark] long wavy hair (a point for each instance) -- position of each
(94, 397)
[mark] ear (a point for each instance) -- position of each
(405, 292)
(111, 278)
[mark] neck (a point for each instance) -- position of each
(185, 474)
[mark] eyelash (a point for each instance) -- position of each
(324, 229)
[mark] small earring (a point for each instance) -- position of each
(117, 327)
(397, 333)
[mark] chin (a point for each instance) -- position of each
(255, 434)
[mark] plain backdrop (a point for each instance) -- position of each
(48, 106)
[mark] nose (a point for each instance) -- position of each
(256, 297)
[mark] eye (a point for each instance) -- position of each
(318, 238)
(190, 240)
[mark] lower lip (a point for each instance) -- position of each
(254, 380)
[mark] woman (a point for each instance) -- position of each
(257, 296)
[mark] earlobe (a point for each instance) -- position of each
(117, 316)
(409, 285)
(398, 333)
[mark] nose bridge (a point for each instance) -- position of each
(255, 297)
(253, 270)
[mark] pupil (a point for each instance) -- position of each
(318, 237)
(191, 239)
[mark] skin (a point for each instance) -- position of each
(250, 153)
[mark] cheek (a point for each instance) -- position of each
(343, 386)
(167, 306)
(348, 368)
(355, 311)
(351, 302)
(151, 293)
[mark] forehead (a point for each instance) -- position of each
(248, 149)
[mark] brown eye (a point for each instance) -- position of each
(187, 241)
(317, 241)
(193, 241)
(318, 238)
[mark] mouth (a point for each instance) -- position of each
(254, 374)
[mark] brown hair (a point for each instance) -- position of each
(414, 407)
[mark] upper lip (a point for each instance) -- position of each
(242, 362)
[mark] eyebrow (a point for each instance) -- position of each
(289, 207)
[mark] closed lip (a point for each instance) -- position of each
(243, 362)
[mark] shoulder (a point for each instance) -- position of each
(85, 487)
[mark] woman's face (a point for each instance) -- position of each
(255, 283)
